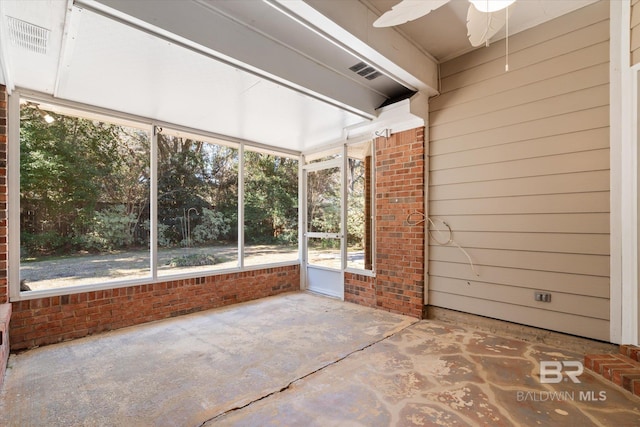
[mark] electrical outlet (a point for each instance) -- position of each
(542, 296)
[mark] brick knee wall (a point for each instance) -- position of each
(53, 319)
(360, 289)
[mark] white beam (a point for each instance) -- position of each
(351, 25)
(196, 25)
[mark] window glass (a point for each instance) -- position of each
(270, 208)
(323, 200)
(197, 205)
(359, 206)
(324, 252)
(84, 199)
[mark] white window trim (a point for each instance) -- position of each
(13, 204)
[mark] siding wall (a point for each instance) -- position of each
(635, 32)
(519, 168)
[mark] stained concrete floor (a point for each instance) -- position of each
(302, 360)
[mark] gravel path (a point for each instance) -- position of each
(88, 269)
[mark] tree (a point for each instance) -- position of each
(63, 166)
(270, 198)
(323, 200)
(194, 176)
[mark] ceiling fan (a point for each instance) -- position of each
(483, 21)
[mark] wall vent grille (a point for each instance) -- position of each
(28, 36)
(365, 70)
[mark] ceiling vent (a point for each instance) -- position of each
(28, 36)
(365, 70)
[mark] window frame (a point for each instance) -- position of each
(116, 117)
(325, 154)
(355, 270)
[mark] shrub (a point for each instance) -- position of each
(192, 260)
(212, 225)
(163, 240)
(45, 243)
(111, 229)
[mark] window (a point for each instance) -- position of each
(359, 206)
(324, 216)
(325, 192)
(270, 208)
(84, 199)
(97, 208)
(197, 204)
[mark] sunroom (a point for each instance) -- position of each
(171, 157)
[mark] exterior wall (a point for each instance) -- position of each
(52, 319)
(519, 169)
(399, 283)
(635, 32)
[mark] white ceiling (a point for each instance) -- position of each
(246, 69)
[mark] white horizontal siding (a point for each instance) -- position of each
(519, 169)
(577, 182)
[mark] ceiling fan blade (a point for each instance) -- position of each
(482, 26)
(407, 10)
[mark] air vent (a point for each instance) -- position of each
(365, 70)
(28, 36)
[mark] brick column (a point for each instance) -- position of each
(400, 262)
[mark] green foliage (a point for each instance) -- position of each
(192, 260)
(194, 176)
(355, 222)
(323, 201)
(85, 185)
(355, 203)
(45, 243)
(271, 199)
(68, 170)
(63, 164)
(112, 228)
(212, 224)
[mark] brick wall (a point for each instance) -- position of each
(400, 265)
(54, 319)
(48, 320)
(360, 289)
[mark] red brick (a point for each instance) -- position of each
(631, 351)
(595, 361)
(628, 379)
(49, 320)
(617, 375)
(608, 369)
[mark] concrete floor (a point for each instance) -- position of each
(302, 360)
